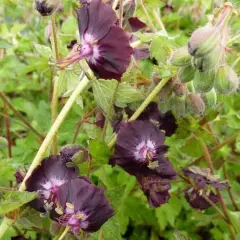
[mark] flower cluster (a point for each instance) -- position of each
(104, 45)
(140, 151)
(203, 184)
(68, 198)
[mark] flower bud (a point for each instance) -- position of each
(180, 89)
(186, 74)
(203, 81)
(195, 103)
(180, 57)
(166, 92)
(226, 80)
(47, 7)
(203, 41)
(179, 106)
(208, 62)
(210, 98)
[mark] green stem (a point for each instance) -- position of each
(6, 223)
(54, 30)
(66, 230)
(159, 20)
(54, 107)
(109, 112)
(141, 108)
(53, 130)
(234, 39)
(148, 17)
(56, 81)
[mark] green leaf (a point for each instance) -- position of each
(3, 142)
(12, 200)
(43, 50)
(103, 91)
(4, 43)
(110, 230)
(179, 236)
(235, 219)
(92, 130)
(99, 151)
(161, 49)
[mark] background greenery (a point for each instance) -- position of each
(25, 78)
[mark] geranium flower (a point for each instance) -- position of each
(139, 143)
(156, 189)
(46, 179)
(199, 202)
(204, 183)
(104, 45)
(140, 151)
(82, 205)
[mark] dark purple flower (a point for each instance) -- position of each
(203, 182)
(82, 205)
(19, 175)
(136, 24)
(104, 45)
(203, 177)
(199, 202)
(138, 143)
(46, 179)
(156, 189)
(20, 238)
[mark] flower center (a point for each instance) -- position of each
(145, 151)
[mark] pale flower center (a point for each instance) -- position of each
(145, 151)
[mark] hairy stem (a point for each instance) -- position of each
(66, 230)
(208, 159)
(148, 17)
(54, 129)
(109, 112)
(7, 125)
(141, 108)
(54, 108)
(120, 13)
(159, 21)
(20, 116)
(219, 146)
(229, 188)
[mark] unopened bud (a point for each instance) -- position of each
(47, 7)
(186, 74)
(209, 61)
(180, 89)
(210, 98)
(179, 106)
(166, 92)
(226, 80)
(195, 103)
(155, 77)
(203, 41)
(203, 81)
(180, 57)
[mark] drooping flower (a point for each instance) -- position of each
(104, 45)
(138, 143)
(82, 206)
(156, 189)
(204, 183)
(140, 151)
(47, 7)
(46, 179)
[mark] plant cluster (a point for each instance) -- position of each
(139, 97)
